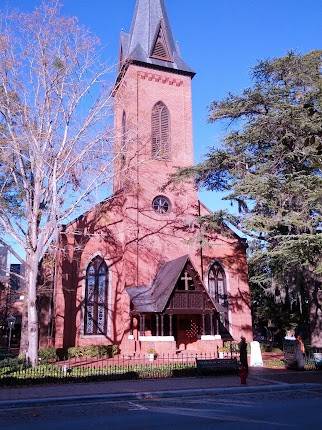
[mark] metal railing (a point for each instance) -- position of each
(95, 368)
(138, 366)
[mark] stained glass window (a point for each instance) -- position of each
(218, 289)
(96, 297)
(161, 205)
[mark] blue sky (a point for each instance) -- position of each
(221, 40)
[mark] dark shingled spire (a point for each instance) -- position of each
(150, 40)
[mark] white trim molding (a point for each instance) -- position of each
(156, 338)
(211, 337)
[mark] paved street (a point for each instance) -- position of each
(272, 399)
(286, 408)
(257, 377)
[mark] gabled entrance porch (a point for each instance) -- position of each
(176, 314)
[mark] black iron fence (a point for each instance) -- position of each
(140, 366)
(294, 358)
(313, 358)
(119, 367)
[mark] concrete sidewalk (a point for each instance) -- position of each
(258, 379)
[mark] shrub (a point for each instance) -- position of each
(115, 350)
(12, 362)
(266, 347)
(93, 351)
(108, 350)
(76, 352)
(231, 347)
(50, 373)
(274, 364)
(22, 357)
(47, 354)
(10, 365)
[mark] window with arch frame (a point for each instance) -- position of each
(160, 132)
(217, 288)
(95, 322)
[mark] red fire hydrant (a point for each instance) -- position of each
(243, 373)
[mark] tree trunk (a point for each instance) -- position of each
(32, 352)
(24, 328)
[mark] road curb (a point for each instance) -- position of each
(149, 395)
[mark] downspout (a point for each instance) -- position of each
(137, 178)
(200, 242)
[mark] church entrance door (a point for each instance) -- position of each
(187, 332)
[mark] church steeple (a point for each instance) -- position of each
(150, 40)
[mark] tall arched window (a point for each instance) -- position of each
(160, 132)
(96, 297)
(217, 288)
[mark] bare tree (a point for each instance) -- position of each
(55, 133)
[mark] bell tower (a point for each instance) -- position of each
(153, 124)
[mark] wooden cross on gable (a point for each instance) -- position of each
(186, 278)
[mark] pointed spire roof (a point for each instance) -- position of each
(150, 40)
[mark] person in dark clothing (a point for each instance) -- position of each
(300, 353)
(243, 353)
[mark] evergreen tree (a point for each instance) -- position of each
(270, 164)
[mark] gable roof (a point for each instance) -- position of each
(226, 227)
(150, 17)
(154, 298)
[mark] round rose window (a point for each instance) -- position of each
(161, 205)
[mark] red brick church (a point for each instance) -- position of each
(137, 270)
